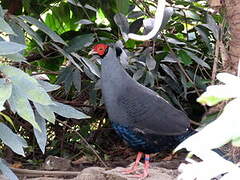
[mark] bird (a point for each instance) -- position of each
(142, 118)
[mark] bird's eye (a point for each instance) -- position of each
(100, 49)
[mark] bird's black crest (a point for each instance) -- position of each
(118, 51)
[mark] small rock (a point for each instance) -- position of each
(91, 173)
(56, 163)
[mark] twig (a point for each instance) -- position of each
(85, 141)
(214, 71)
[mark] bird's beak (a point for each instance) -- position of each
(92, 52)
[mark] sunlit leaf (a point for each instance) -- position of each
(48, 86)
(4, 27)
(15, 57)
(10, 47)
(19, 103)
(169, 71)
(67, 111)
(29, 86)
(46, 112)
(7, 118)
(11, 139)
(5, 90)
(41, 136)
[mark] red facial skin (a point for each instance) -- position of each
(100, 49)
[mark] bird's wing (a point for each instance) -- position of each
(148, 112)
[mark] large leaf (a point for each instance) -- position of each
(48, 86)
(19, 103)
(91, 66)
(79, 42)
(29, 30)
(41, 136)
(16, 57)
(46, 112)
(6, 171)
(11, 139)
(122, 23)
(10, 47)
(44, 28)
(4, 27)
(28, 85)
(67, 111)
(5, 90)
(19, 36)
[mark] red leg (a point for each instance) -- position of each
(135, 166)
(146, 167)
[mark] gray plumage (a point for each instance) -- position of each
(133, 105)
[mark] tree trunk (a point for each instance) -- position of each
(233, 17)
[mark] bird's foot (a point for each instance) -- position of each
(129, 171)
(140, 176)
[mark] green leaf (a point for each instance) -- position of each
(168, 12)
(46, 112)
(29, 30)
(198, 60)
(44, 28)
(122, 23)
(6, 171)
(29, 86)
(5, 90)
(236, 141)
(8, 119)
(79, 42)
(90, 7)
(185, 58)
(18, 102)
(4, 27)
(122, 6)
(10, 47)
(210, 100)
(41, 136)
(67, 111)
(15, 57)
(11, 139)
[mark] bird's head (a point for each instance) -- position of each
(99, 49)
(102, 49)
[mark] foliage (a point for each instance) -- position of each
(224, 129)
(45, 62)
